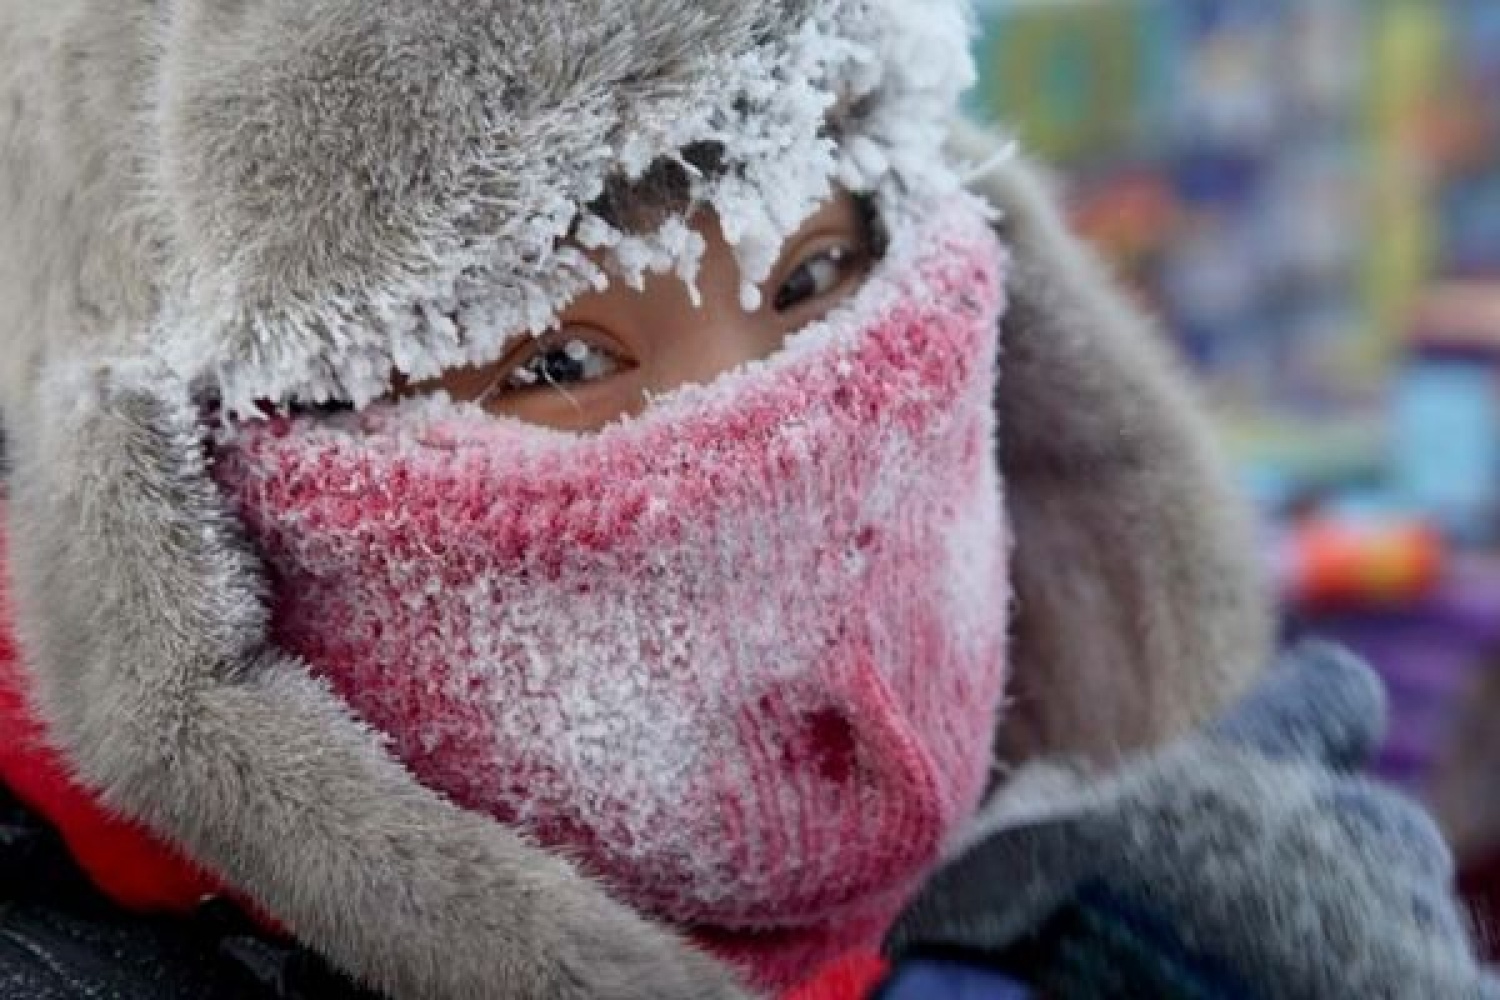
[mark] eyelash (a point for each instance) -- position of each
(572, 361)
(842, 258)
(576, 361)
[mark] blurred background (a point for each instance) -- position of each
(1307, 194)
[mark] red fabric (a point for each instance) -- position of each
(852, 978)
(128, 864)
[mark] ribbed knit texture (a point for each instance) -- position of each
(741, 656)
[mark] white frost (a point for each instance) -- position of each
(893, 68)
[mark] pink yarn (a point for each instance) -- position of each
(740, 656)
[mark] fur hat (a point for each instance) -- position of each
(284, 200)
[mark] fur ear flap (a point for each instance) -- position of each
(1139, 606)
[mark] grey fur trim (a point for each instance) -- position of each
(1140, 604)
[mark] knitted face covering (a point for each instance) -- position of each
(740, 655)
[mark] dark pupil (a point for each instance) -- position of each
(556, 366)
(798, 288)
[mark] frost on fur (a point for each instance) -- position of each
(858, 97)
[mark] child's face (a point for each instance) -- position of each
(613, 349)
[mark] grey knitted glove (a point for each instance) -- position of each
(1246, 861)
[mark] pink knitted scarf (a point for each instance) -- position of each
(741, 655)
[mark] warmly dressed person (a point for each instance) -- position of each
(624, 499)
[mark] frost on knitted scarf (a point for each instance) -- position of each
(740, 655)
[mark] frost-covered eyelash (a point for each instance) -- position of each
(840, 257)
(590, 361)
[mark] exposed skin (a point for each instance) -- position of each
(647, 341)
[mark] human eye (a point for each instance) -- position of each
(820, 273)
(568, 360)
